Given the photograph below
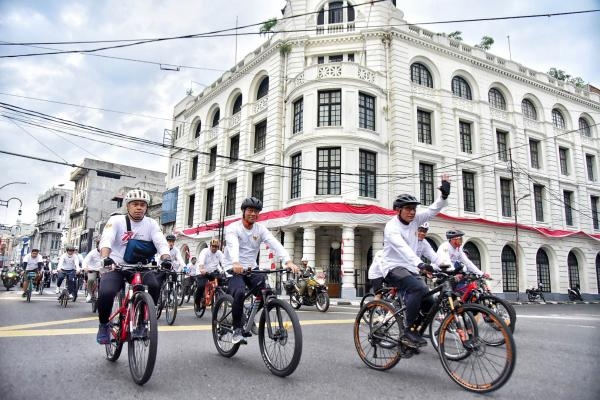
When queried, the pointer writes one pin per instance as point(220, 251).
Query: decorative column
point(308, 245)
point(348, 285)
point(288, 242)
point(377, 240)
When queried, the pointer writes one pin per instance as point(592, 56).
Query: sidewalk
point(356, 302)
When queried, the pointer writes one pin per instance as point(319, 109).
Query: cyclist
point(92, 263)
point(244, 238)
point(177, 262)
point(209, 261)
point(403, 265)
point(31, 262)
point(375, 273)
point(424, 249)
point(68, 265)
point(129, 238)
point(452, 253)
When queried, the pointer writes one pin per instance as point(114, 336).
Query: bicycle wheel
point(502, 308)
point(322, 301)
point(222, 327)
point(365, 299)
point(377, 332)
point(181, 292)
point(280, 342)
point(191, 290)
point(113, 349)
point(295, 301)
point(486, 368)
point(161, 301)
point(171, 306)
point(434, 327)
point(41, 287)
point(143, 339)
point(94, 302)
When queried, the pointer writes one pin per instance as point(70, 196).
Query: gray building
point(99, 190)
point(52, 221)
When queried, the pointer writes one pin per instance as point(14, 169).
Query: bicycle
point(168, 298)
point(463, 338)
point(133, 320)
point(31, 275)
point(94, 293)
point(279, 330)
point(212, 292)
point(42, 282)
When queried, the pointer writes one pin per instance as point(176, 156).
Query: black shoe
point(413, 339)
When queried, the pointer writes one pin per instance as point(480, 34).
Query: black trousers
point(201, 281)
point(413, 289)
point(113, 281)
point(237, 288)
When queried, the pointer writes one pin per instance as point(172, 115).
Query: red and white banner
point(343, 213)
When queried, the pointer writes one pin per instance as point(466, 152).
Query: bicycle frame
point(125, 311)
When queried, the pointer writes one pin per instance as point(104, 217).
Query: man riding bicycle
point(177, 263)
point(451, 253)
point(92, 263)
point(131, 238)
point(209, 261)
point(402, 264)
point(243, 239)
point(68, 266)
point(32, 262)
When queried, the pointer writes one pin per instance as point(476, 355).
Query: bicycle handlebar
point(137, 267)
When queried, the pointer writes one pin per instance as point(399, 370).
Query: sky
point(137, 98)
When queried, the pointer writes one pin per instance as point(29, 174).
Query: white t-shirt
point(400, 241)
point(193, 269)
point(115, 236)
point(243, 245)
point(93, 261)
point(375, 269)
point(32, 262)
point(68, 262)
point(448, 255)
point(210, 260)
point(176, 259)
point(425, 249)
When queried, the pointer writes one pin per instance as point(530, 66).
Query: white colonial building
point(330, 121)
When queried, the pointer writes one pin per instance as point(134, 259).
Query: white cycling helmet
point(137, 195)
point(424, 226)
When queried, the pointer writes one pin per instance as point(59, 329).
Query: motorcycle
point(10, 278)
point(574, 294)
point(307, 291)
point(535, 294)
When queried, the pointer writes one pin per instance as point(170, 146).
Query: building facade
point(52, 221)
point(99, 191)
point(350, 106)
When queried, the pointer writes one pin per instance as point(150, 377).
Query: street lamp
point(5, 202)
point(517, 240)
point(13, 183)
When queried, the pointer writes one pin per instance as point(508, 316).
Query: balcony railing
point(335, 28)
point(261, 104)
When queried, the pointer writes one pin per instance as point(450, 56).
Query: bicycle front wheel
point(222, 327)
point(365, 299)
point(485, 368)
point(181, 292)
point(171, 306)
point(502, 308)
point(377, 332)
point(29, 295)
point(280, 337)
point(113, 349)
point(143, 339)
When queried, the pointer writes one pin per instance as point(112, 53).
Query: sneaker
point(88, 298)
point(238, 336)
point(103, 336)
point(70, 296)
point(57, 291)
point(24, 294)
point(413, 339)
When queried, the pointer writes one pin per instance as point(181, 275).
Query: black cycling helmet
point(252, 202)
point(70, 248)
point(454, 233)
point(405, 200)
point(171, 237)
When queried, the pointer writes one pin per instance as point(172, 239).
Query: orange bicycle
point(212, 292)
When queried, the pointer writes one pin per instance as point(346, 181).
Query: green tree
point(561, 75)
point(268, 26)
point(455, 35)
point(485, 43)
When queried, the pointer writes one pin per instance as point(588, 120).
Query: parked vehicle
point(10, 277)
point(574, 293)
point(307, 291)
point(535, 294)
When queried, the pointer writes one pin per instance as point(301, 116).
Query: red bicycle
point(134, 321)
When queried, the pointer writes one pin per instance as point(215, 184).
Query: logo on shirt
point(126, 236)
point(255, 237)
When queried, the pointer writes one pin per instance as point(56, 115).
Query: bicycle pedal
point(247, 334)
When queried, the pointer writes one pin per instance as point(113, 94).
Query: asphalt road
point(49, 352)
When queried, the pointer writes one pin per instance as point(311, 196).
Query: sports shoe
point(24, 294)
point(57, 291)
point(70, 296)
point(88, 298)
point(413, 339)
point(238, 336)
point(103, 336)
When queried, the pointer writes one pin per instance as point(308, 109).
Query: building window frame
point(260, 136)
point(534, 153)
point(366, 111)
point(420, 75)
point(558, 120)
point(296, 176)
point(426, 183)
point(466, 136)
point(563, 156)
point(210, 198)
point(212, 159)
point(568, 203)
point(528, 109)
point(502, 143)
point(298, 108)
point(496, 99)
point(329, 168)
point(258, 185)
point(234, 148)
point(329, 108)
point(424, 126)
point(538, 199)
point(230, 207)
point(461, 88)
point(367, 174)
point(505, 197)
point(469, 191)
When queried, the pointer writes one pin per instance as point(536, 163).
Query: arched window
point(573, 269)
point(216, 118)
point(461, 88)
point(509, 269)
point(472, 251)
point(528, 109)
point(543, 269)
point(420, 75)
point(558, 120)
point(263, 88)
point(198, 129)
point(584, 127)
point(496, 99)
point(433, 244)
point(237, 104)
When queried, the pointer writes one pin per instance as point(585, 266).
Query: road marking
point(576, 318)
point(48, 323)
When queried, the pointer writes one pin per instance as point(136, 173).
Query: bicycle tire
point(199, 310)
point(142, 351)
point(434, 328)
point(322, 301)
point(470, 372)
point(272, 347)
point(113, 349)
point(191, 290)
point(171, 306)
point(377, 337)
point(29, 295)
point(180, 293)
point(365, 299)
point(222, 327)
point(295, 302)
point(161, 301)
point(502, 308)
point(41, 287)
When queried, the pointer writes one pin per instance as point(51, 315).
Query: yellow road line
point(48, 323)
point(15, 331)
